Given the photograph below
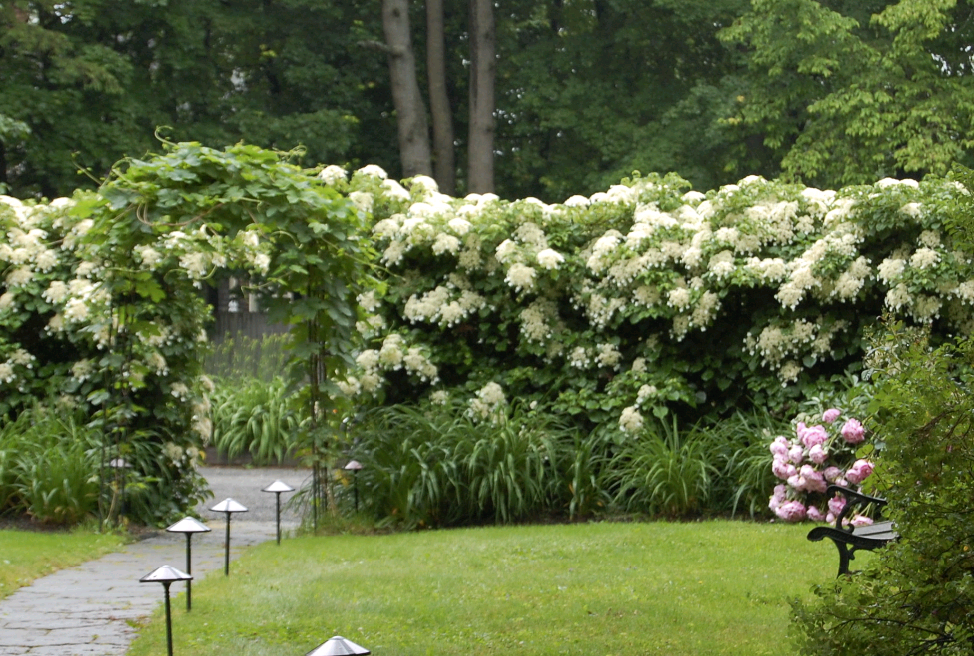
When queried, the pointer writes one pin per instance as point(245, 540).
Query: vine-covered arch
point(111, 281)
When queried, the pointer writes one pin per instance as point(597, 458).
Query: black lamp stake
point(277, 487)
point(228, 506)
point(354, 466)
point(166, 575)
point(189, 525)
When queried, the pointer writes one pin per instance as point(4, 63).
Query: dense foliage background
point(826, 92)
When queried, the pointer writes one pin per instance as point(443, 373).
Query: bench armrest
point(853, 499)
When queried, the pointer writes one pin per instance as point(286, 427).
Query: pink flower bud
point(831, 415)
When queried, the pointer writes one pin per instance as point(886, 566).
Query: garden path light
point(354, 466)
point(277, 487)
point(228, 506)
point(189, 525)
point(166, 575)
point(338, 646)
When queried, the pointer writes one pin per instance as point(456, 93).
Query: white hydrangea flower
point(577, 201)
point(362, 200)
point(459, 226)
point(19, 277)
point(333, 174)
point(7, 374)
point(445, 243)
point(646, 392)
point(924, 257)
point(678, 298)
point(550, 259)
point(390, 354)
point(75, 310)
point(424, 182)
point(579, 358)
point(608, 355)
point(520, 277)
point(373, 171)
point(56, 292)
point(630, 421)
point(394, 190)
point(504, 251)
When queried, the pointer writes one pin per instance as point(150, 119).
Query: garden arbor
point(114, 280)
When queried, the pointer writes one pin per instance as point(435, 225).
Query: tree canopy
point(825, 92)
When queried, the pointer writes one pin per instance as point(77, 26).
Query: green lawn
point(27, 555)
point(698, 588)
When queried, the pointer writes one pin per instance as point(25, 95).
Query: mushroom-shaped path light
point(228, 506)
point(166, 575)
point(338, 646)
point(189, 525)
point(277, 487)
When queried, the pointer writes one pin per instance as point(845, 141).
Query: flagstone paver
point(94, 609)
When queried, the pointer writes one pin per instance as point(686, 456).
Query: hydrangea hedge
point(633, 303)
point(647, 298)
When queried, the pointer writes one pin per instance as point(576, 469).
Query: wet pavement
point(92, 609)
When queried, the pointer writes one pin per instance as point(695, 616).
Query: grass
point(27, 555)
point(716, 587)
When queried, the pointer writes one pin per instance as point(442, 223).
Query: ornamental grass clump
point(816, 456)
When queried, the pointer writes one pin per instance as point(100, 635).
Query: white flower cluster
point(446, 305)
point(630, 421)
point(392, 355)
point(488, 403)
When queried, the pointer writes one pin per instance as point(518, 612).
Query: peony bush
point(815, 457)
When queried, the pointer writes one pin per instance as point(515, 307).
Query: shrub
point(916, 596)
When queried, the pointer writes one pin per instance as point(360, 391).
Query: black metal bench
point(849, 539)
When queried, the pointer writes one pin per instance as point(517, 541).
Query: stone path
point(89, 610)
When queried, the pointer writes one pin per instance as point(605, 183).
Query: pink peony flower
point(853, 432)
point(814, 435)
point(796, 453)
point(780, 447)
point(861, 520)
point(832, 474)
point(814, 514)
point(860, 471)
point(779, 497)
point(831, 415)
point(791, 511)
point(818, 454)
point(782, 468)
point(836, 504)
point(814, 481)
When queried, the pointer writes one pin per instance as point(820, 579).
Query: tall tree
point(444, 160)
point(483, 67)
point(413, 128)
point(849, 92)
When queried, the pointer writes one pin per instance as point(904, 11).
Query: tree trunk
point(414, 148)
point(480, 147)
point(444, 164)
